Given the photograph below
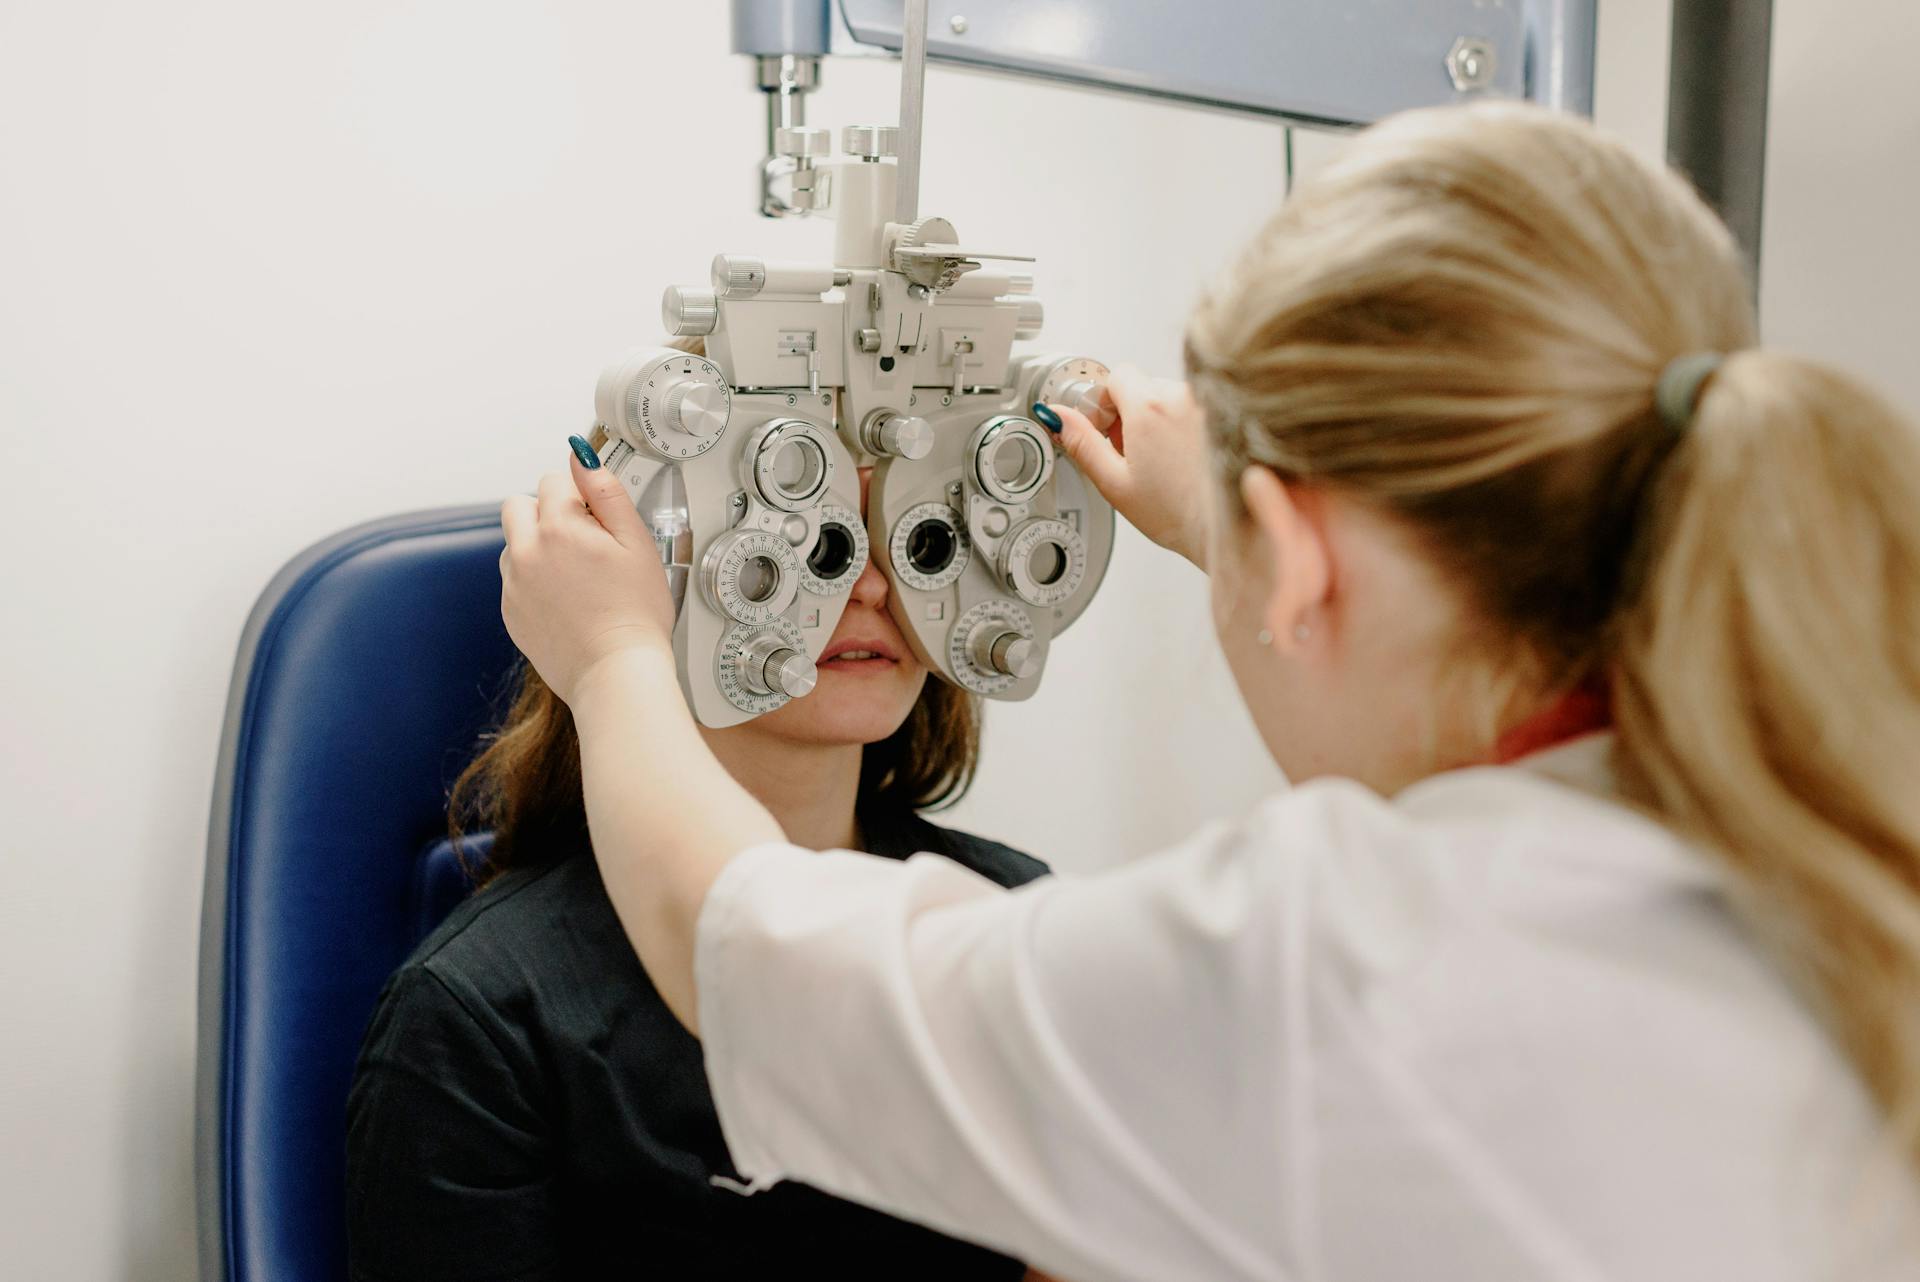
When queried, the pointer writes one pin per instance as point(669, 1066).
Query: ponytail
point(1464, 323)
point(1767, 687)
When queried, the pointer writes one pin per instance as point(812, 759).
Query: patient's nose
point(870, 589)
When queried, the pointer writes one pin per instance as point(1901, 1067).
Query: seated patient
point(525, 1106)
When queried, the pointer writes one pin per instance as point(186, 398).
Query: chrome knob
point(870, 142)
point(1032, 315)
point(636, 400)
point(697, 408)
point(689, 313)
point(1007, 653)
point(802, 143)
point(891, 435)
point(771, 666)
point(1094, 400)
point(792, 674)
point(738, 275)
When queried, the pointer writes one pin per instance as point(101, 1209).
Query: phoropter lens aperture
point(759, 579)
point(931, 547)
point(833, 552)
point(1047, 564)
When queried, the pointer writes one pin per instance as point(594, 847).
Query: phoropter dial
point(1043, 561)
point(893, 435)
point(929, 547)
point(1080, 382)
point(759, 669)
point(751, 576)
point(992, 646)
point(839, 554)
point(672, 404)
point(1010, 459)
point(788, 463)
point(772, 664)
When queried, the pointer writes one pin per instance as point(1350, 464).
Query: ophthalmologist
point(1586, 944)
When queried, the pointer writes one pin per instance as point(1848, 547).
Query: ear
point(1297, 557)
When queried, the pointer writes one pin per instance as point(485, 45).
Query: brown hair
point(1463, 325)
point(524, 786)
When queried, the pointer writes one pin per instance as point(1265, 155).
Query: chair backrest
point(366, 673)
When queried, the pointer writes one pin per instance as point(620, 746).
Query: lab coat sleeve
point(1085, 1072)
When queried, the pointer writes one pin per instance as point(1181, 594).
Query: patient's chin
point(848, 707)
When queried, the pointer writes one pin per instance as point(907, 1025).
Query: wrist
point(623, 676)
point(1191, 543)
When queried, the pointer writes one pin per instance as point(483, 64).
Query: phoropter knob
point(1007, 653)
point(929, 231)
point(697, 408)
point(802, 143)
point(771, 666)
point(686, 312)
point(870, 142)
point(1029, 320)
point(738, 275)
point(891, 435)
point(671, 404)
point(1094, 400)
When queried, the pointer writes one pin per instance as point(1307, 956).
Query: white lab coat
point(1499, 1027)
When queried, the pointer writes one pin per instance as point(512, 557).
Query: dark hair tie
point(1680, 385)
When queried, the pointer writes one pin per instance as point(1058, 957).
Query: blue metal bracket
point(1338, 63)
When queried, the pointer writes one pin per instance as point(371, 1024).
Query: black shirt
point(526, 1107)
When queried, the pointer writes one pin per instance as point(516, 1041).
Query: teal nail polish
point(584, 452)
point(1046, 417)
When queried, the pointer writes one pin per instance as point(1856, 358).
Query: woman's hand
point(581, 579)
point(1152, 466)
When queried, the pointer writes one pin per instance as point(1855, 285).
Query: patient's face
point(869, 678)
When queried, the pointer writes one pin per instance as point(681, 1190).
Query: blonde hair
point(1463, 324)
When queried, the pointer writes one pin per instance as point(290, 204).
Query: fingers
point(518, 516)
point(1124, 382)
point(1092, 453)
point(558, 498)
point(607, 499)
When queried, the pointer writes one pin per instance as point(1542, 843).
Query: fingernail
point(584, 452)
point(1046, 417)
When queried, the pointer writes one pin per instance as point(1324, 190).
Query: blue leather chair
point(366, 673)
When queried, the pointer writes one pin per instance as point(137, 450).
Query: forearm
point(664, 816)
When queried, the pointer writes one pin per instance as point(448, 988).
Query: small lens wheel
point(839, 553)
point(929, 547)
point(751, 576)
point(1044, 561)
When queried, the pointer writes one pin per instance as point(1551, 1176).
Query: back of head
point(1464, 324)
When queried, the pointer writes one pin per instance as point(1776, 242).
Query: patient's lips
point(859, 654)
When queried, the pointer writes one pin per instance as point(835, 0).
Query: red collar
point(1586, 709)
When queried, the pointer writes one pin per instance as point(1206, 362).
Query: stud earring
point(1264, 637)
point(1301, 632)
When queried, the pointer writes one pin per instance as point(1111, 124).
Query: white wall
point(1840, 259)
point(267, 270)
